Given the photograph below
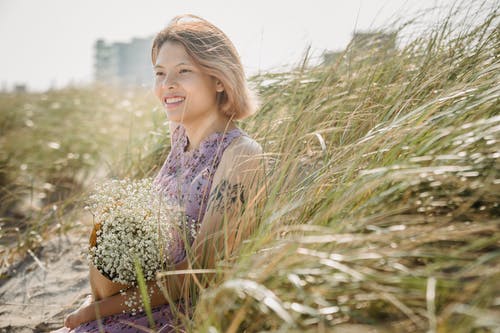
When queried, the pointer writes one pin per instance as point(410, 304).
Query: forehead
point(173, 53)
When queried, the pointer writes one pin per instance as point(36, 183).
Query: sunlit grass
point(383, 208)
point(55, 144)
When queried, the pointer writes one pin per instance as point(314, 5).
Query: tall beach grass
point(383, 208)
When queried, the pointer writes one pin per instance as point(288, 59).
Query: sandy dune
point(45, 285)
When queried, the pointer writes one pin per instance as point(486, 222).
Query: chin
point(175, 116)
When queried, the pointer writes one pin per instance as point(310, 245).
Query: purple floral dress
point(186, 179)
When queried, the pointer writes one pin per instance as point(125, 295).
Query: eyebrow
point(181, 63)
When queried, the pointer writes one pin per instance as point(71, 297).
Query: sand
point(46, 285)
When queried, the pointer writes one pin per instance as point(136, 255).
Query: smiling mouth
point(173, 101)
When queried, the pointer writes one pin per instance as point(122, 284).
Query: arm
point(236, 187)
point(115, 304)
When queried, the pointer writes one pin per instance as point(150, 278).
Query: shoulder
point(242, 149)
point(241, 157)
point(243, 145)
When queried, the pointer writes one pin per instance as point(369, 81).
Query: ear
point(219, 87)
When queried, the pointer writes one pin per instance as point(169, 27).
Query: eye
point(159, 73)
point(184, 70)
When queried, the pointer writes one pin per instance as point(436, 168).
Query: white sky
point(49, 43)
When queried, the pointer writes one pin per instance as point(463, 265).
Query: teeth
point(174, 100)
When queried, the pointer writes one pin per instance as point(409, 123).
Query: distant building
point(127, 64)
point(364, 43)
point(330, 57)
point(20, 88)
point(368, 41)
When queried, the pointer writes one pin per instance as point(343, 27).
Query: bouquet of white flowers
point(132, 222)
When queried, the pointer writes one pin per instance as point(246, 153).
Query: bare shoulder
point(243, 154)
point(243, 145)
point(242, 150)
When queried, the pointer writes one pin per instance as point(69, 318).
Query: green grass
point(383, 200)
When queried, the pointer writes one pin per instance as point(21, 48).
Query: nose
point(169, 81)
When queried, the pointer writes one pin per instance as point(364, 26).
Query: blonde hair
point(216, 55)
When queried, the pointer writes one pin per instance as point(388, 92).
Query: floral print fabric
point(165, 322)
point(185, 179)
point(186, 176)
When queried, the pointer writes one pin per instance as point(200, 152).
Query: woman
point(212, 169)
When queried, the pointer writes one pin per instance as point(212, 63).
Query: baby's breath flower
point(133, 221)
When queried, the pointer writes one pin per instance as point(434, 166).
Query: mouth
point(173, 102)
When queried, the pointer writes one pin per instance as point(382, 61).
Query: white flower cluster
point(134, 301)
point(132, 221)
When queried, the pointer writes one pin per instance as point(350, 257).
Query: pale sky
point(50, 43)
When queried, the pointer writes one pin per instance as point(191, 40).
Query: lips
point(173, 101)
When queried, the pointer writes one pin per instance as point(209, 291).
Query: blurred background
point(52, 44)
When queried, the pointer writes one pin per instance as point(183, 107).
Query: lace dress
point(185, 178)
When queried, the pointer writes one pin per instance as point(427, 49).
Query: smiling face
point(184, 90)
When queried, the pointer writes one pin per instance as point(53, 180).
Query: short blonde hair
point(216, 55)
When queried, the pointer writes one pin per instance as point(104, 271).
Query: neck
point(199, 130)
